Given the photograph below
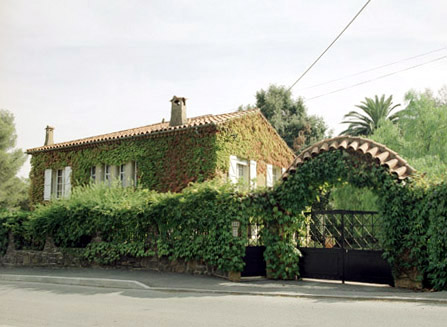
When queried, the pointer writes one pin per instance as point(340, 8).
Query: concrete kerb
point(76, 281)
point(136, 285)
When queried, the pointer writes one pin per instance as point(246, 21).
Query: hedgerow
point(192, 225)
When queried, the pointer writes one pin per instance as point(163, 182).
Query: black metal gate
point(343, 245)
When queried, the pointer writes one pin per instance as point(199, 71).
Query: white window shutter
point(269, 175)
point(252, 174)
point(67, 181)
point(47, 184)
point(232, 174)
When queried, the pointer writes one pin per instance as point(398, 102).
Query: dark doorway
point(254, 261)
point(343, 245)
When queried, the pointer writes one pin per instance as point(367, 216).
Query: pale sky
point(99, 66)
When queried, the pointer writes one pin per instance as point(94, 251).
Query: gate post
point(407, 277)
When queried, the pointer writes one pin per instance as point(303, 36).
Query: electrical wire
point(372, 69)
point(377, 78)
point(330, 45)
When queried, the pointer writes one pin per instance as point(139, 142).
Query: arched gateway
point(341, 244)
point(368, 149)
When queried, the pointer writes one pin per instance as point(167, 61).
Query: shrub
point(17, 222)
point(194, 224)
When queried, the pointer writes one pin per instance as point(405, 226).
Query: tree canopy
point(13, 190)
point(289, 117)
point(372, 111)
point(420, 136)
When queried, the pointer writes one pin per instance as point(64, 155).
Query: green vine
point(169, 162)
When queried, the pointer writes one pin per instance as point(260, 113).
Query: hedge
point(195, 224)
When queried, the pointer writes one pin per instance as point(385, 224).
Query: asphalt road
point(34, 304)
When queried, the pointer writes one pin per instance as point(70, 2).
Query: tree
point(289, 117)
point(420, 136)
point(13, 190)
point(373, 112)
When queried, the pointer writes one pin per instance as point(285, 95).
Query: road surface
point(34, 304)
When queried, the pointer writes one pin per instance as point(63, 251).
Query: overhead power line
point(330, 45)
point(373, 69)
point(379, 77)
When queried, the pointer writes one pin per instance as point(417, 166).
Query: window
point(107, 174)
point(276, 173)
point(122, 175)
point(57, 183)
point(125, 173)
point(93, 173)
point(273, 174)
point(242, 173)
point(242, 170)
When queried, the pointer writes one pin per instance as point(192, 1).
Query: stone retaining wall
point(51, 256)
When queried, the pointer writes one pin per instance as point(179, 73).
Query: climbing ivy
point(170, 161)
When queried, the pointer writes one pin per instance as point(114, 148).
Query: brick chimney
point(178, 111)
point(49, 135)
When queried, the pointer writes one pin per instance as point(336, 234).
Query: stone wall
point(51, 256)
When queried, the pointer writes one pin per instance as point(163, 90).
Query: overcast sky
point(98, 66)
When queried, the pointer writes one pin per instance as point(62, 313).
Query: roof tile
point(154, 129)
point(373, 150)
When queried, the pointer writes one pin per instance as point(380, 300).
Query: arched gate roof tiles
point(371, 150)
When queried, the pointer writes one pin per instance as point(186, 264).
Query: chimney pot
point(49, 135)
point(178, 111)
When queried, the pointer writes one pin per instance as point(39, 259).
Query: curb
point(76, 281)
point(304, 296)
point(136, 285)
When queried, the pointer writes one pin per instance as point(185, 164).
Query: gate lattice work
point(342, 229)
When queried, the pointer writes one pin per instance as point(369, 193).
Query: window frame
point(59, 190)
point(122, 174)
point(93, 173)
point(107, 173)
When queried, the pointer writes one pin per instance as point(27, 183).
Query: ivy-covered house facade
point(165, 156)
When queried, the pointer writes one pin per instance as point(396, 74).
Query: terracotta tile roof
point(371, 150)
point(149, 130)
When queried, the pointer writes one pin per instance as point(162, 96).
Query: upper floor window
point(274, 174)
point(242, 170)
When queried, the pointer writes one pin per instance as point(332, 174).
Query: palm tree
point(373, 112)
